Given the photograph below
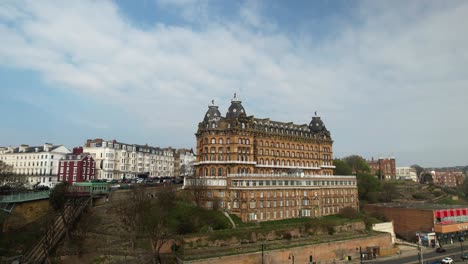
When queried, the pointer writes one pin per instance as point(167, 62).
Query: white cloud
point(399, 65)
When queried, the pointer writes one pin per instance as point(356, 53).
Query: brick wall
point(406, 221)
point(320, 252)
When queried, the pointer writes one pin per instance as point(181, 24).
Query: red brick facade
point(77, 167)
point(448, 178)
point(385, 168)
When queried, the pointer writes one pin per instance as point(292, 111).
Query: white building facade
point(185, 161)
point(406, 173)
point(117, 160)
point(39, 163)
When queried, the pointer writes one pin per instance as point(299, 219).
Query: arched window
point(261, 143)
point(220, 141)
point(247, 142)
point(213, 141)
point(266, 162)
point(243, 125)
point(261, 161)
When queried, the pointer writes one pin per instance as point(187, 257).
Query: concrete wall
point(321, 252)
point(25, 213)
point(386, 227)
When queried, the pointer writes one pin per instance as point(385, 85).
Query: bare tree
point(198, 188)
point(155, 222)
point(10, 179)
point(155, 226)
point(131, 212)
point(58, 200)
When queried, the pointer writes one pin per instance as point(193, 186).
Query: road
point(428, 255)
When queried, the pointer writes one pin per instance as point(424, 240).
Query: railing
point(40, 250)
point(22, 197)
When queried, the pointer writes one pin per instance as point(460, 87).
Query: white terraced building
point(39, 163)
point(116, 160)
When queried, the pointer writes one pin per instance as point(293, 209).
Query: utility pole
point(262, 252)
point(420, 254)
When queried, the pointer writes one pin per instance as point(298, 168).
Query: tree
point(186, 170)
point(58, 200)
point(198, 188)
point(341, 167)
point(389, 191)
point(10, 180)
point(131, 212)
point(357, 164)
point(368, 186)
point(156, 222)
point(426, 178)
point(418, 169)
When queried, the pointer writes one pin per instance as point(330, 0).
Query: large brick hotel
point(263, 170)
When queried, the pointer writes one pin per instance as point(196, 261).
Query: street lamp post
point(461, 239)
point(360, 255)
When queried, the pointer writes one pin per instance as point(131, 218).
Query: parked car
point(464, 256)
point(447, 260)
point(440, 250)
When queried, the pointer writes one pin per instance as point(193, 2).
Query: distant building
point(406, 173)
point(77, 167)
point(184, 160)
point(384, 168)
point(39, 163)
point(117, 160)
point(448, 178)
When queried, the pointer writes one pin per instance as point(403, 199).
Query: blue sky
point(387, 77)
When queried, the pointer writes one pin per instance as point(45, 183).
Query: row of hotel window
point(287, 193)
point(32, 171)
point(250, 183)
point(6, 157)
point(271, 144)
point(66, 178)
point(267, 152)
point(133, 156)
point(30, 164)
point(86, 170)
point(291, 213)
point(304, 202)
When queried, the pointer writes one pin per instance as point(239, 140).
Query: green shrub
point(420, 196)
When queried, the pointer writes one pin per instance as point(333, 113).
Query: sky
point(388, 78)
